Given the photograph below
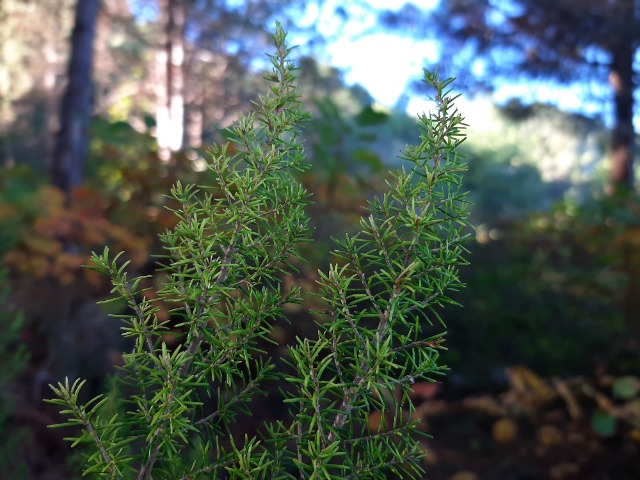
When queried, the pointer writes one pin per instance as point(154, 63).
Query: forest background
point(105, 104)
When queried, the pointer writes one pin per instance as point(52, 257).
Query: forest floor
point(533, 429)
point(536, 429)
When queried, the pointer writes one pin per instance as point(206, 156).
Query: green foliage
point(14, 360)
point(520, 308)
point(17, 187)
point(225, 262)
point(346, 168)
point(569, 272)
point(501, 191)
point(626, 387)
point(619, 410)
point(603, 423)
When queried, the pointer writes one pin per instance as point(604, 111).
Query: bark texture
point(623, 133)
point(72, 143)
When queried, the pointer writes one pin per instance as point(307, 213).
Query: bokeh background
point(104, 104)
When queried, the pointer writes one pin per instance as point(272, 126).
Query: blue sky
point(383, 62)
point(386, 62)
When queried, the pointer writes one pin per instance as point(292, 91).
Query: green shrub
point(14, 361)
point(225, 262)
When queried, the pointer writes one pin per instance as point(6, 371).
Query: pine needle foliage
point(226, 258)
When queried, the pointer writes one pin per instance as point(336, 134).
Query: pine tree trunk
point(72, 145)
point(622, 176)
point(623, 135)
point(170, 80)
point(50, 82)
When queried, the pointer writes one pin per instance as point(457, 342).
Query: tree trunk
point(72, 145)
point(6, 103)
point(49, 84)
point(623, 135)
point(170, 80)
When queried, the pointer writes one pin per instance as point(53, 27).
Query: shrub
point(15, 358)
point(225, 262)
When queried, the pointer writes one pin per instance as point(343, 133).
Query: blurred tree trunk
point(72, 143)
point(50, 82)
point(170, 80)
point(623, 135)
point(6, 107)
